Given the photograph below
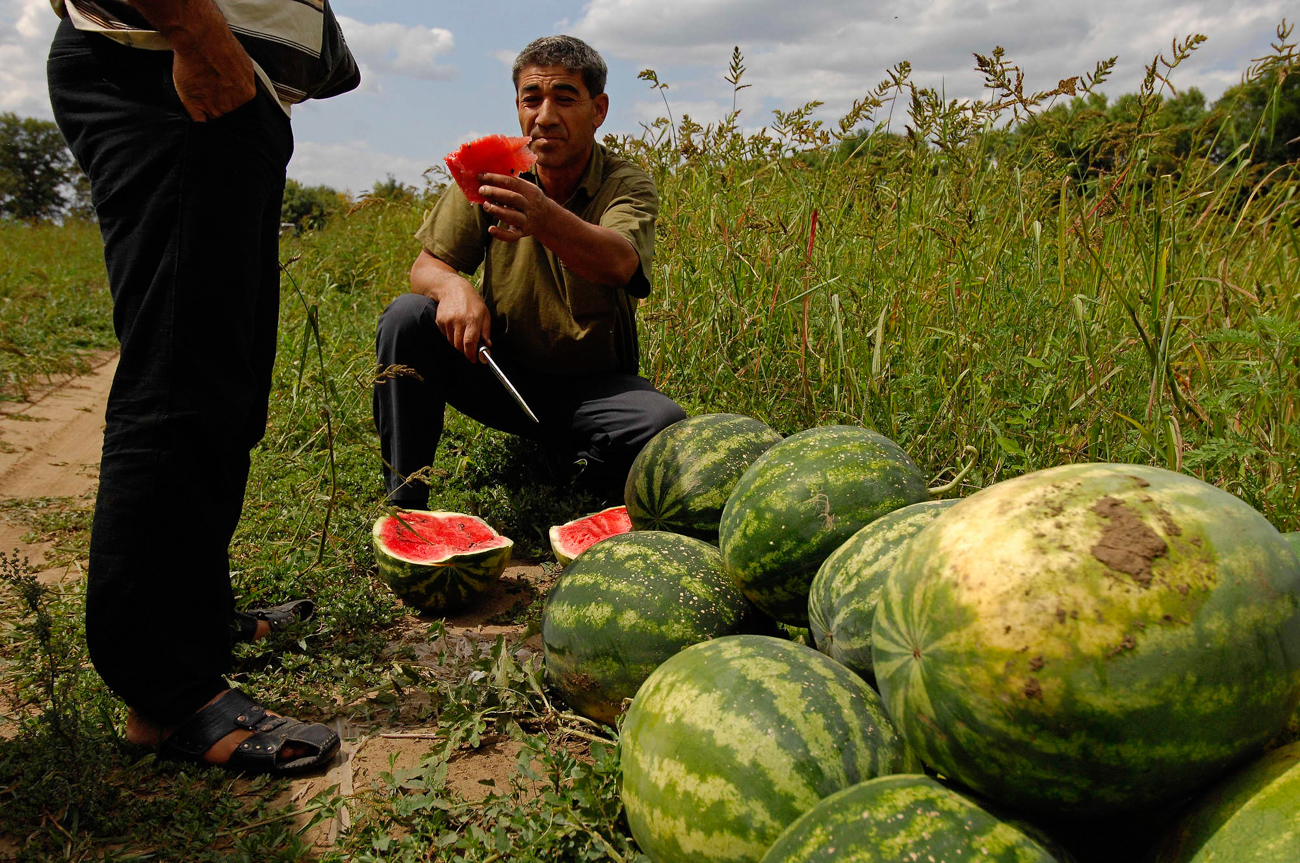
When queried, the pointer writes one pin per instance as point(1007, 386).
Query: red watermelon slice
point(572, 538)
point(491, 154)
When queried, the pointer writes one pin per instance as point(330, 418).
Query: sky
point(436, 74)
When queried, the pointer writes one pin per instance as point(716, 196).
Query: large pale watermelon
point(682, 478)
point(731, 740)
point(438, 561)
point(1253, 816)
point(842, 599)
point(1091, 638)
point(801, 500)
point(627, 604)
point(902, 818)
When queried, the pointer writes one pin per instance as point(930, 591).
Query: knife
point(505, 382)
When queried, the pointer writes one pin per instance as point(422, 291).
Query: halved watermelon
point(572, 538)
point(437, 561)
point(491, 154)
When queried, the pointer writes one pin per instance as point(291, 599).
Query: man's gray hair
point(570, 52)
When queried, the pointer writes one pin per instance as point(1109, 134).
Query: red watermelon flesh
point(573, 538)
point(491, 154)
point(437, 536)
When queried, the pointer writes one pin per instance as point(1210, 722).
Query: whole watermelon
point(842, 599)
point(801, 500)
point(1091, 638)
point(1253, 816)
point(731, 740)
point(624, 606)
point(438, 561)
point(902, 818)
point(682, 478)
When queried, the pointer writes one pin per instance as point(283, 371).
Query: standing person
point(566, 253)
point(185, 139)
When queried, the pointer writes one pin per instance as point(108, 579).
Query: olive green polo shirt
point(543, 314)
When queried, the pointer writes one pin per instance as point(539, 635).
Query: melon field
point(1034, 280)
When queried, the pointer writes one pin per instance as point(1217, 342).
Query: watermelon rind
point(566, 550)
point(901, 818)
point(729, 741)
point(842, 598)
point(801, 500)
point(681, 479)
point(627, 604)
point(442, 585)
point(1091, 638)
point(1252, 816)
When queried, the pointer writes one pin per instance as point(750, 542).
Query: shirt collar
point(591, 180)
point(592, 177)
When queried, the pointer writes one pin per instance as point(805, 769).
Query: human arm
point(212, 72)
point(589, 251)
point(462, 315)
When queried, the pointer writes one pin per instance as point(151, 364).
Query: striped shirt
point(277, 34)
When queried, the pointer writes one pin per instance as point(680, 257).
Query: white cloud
point(353, 166)
point(836, 50)
point(26, 28)
point(398, 49)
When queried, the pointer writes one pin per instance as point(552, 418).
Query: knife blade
point(505, 382)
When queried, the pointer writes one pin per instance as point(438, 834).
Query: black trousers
point(593, 425)
point(189, 214)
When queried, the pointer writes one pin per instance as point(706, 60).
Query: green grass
point(960, 293)
point(54, 303)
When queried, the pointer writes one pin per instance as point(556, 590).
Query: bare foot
point(144, 732)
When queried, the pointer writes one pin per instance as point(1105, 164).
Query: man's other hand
point(463, 317)
point(214, 81)
point(212, 72)
point(521, 208)
point(464, 321)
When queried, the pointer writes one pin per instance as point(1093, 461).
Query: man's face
point(556, 111)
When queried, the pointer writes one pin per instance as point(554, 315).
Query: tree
point(309, 208)
point(35, 168)
point(1265, 112)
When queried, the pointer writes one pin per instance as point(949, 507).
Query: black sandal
point(244, 622)
point(260, 752)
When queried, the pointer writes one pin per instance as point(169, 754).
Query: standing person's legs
point(189, 214)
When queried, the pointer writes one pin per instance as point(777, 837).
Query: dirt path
point(50, 447)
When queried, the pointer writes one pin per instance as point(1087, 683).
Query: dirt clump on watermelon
point(572, 538)
point(491, 154)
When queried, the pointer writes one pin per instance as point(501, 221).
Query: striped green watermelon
point(1091, 638)
point(902, 818)
point(627, 604)
point(1253, 816)
point(681, 480)
point(842, 599)
point(731, 740)
point(801, 500)
point(438, 561)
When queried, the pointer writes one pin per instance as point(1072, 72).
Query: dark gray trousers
point(593, 425)
point(190, 217)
